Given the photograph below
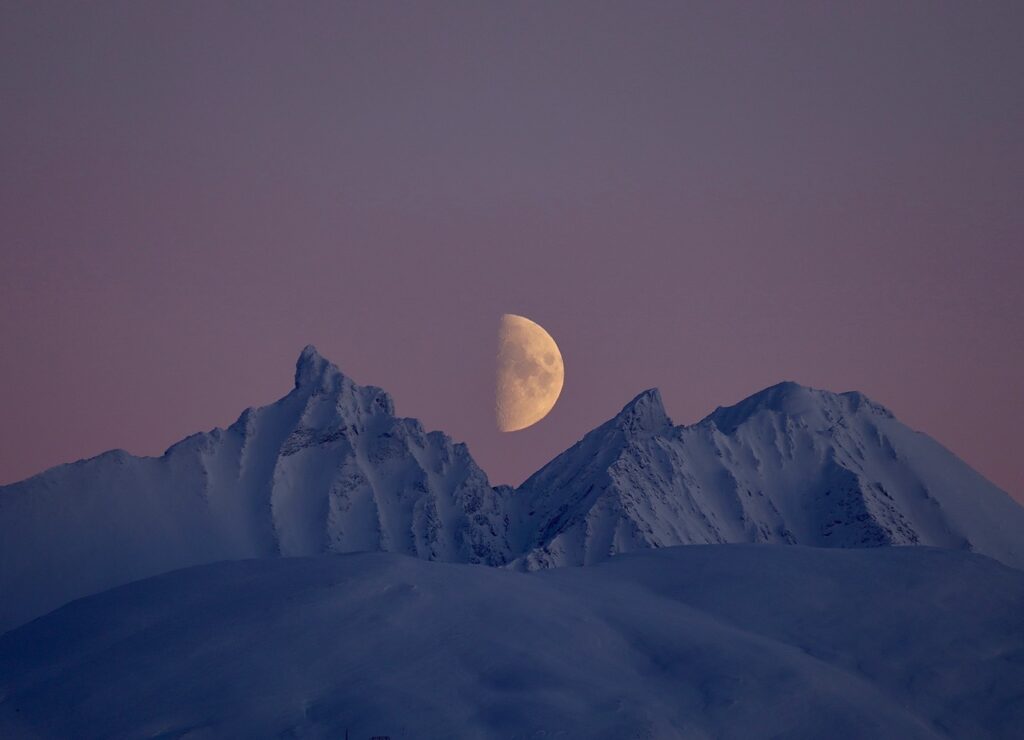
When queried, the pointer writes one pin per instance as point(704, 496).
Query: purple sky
point(708, 199)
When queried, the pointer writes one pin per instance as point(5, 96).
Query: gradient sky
point(707, 198)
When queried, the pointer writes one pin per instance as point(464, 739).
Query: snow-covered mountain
point(787, 465)
point(727, 641)
point(329, 468)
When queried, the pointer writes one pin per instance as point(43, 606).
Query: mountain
point(329, 468)
point(727, 641)
point(788, 465)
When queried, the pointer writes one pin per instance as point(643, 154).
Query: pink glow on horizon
point(707, 199)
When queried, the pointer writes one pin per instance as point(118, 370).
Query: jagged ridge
point(787, 465)
point(330, 468)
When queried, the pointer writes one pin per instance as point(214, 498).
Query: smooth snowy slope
point(788, 465)
point(328, 468)
point(719, 641)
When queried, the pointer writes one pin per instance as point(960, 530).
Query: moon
point(530, 373)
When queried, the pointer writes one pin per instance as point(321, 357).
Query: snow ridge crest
point(645, 414)
point(330, 468)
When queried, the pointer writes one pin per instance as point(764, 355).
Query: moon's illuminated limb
point(530, 373)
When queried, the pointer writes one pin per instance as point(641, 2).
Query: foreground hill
point(330, 468)
point(730, 641)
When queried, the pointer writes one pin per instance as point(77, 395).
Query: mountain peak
point(787, 398)
point(645, 413)
point(782, 396)
point(311, 367)
point(792, 399)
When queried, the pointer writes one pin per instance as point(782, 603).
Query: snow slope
point(730, 641)
point(328, 468)
point(787, 465)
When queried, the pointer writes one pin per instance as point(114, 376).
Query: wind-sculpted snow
point(329, 468)
point(732, 641)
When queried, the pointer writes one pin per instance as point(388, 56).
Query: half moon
point(530, 373)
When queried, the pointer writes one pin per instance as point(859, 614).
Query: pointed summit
point(645, 413)
point(311, 367)
point(315, 375)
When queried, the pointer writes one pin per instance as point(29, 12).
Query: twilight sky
point(708, 199)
